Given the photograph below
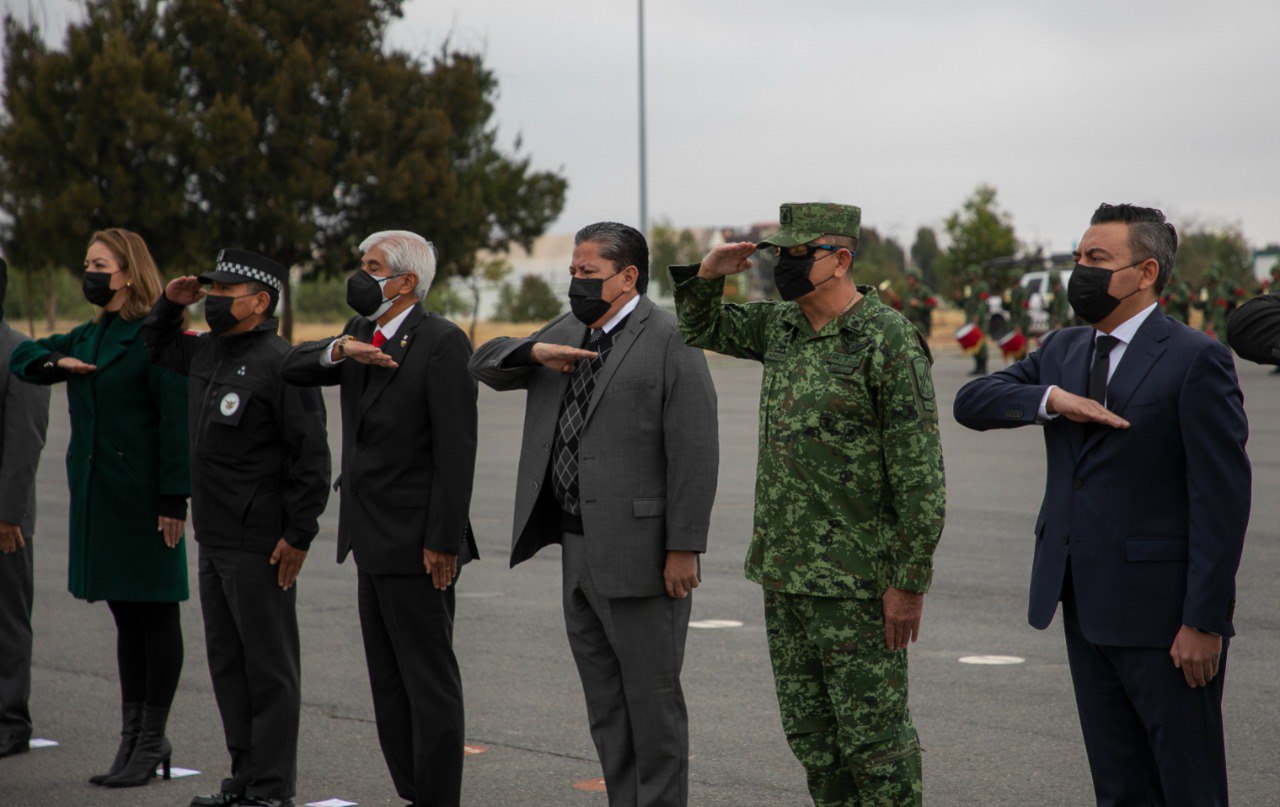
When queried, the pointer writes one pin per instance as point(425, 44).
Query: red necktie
point(379, 338)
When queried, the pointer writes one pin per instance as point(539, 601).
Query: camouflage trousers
point(843, 699)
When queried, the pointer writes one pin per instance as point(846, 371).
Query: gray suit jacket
point(648, 454)
point(24, 415)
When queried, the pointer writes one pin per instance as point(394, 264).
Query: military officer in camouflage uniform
point(973, 298)
point(1015, 302)
point(1177, 301)
point(1215, 304)
point(849, 496)
point(918, 302)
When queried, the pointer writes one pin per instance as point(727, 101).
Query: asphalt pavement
point(993, 734)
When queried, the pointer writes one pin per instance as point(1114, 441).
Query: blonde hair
point(141, 275)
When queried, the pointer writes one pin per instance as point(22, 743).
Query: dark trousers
point(251, 629)
point(15, 643)
point(1150, 738)
point(629, 651)
point(417, 689)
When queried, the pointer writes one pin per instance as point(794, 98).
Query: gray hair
point(406, 252)
point(1150, 240)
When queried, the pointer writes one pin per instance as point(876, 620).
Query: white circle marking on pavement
point(991, 659)
point(715, 623)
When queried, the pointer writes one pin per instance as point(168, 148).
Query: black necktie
point(1101, 367)
point(573, 414)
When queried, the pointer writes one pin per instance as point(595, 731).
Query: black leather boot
point(131, 721)
point(151, 750)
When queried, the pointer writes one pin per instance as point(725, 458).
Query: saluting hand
point(727, 259)
point(184, 290)
point(902, 612)
point(559, 357)
point(1082, 410)
point(442, 566)
point(10, 538)
point(170, 529)
point(73, 365)
point(366, 353)
point(290, 560)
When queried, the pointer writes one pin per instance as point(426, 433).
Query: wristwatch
point(341, 345)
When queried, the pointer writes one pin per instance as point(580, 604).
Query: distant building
point(551, 255)
point(1264, 260)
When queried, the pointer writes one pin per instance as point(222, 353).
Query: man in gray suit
point(619, 466)
point(24, 416)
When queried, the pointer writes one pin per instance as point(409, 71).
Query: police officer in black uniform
point(259, 482)
point(1254, 330)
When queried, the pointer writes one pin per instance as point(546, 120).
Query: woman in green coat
point(127, 470)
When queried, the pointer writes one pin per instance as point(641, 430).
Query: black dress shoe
point(220, 799)
point(14, 745)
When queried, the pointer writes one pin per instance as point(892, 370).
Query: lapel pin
point(404, 340)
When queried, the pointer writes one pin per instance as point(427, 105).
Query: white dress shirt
point(622, 312)
point(1124, 332)
point(388, 330)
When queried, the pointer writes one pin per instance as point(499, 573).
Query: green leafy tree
point(87, 138)
point(925, 254)
point(668, 246)
point(879, 259)
point(533, 301)
point(1200, 247)
point(978, 232)
point(282, 126)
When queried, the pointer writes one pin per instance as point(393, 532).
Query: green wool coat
point(128, 447)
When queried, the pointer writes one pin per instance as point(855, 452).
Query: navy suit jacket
point(1151, 518)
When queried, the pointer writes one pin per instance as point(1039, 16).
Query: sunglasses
point(798, 251)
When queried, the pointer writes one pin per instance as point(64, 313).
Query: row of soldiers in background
point(1216, 298)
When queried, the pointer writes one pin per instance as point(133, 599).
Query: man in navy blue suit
point(1144, 513)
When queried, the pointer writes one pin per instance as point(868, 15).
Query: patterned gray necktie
point(564, 477)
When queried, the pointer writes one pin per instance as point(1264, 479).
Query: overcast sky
point(900, 107)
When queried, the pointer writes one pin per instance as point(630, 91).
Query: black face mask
point(586, 299)
point(96, 287)
point(791, 276)
point(217, 312)
point(364, 295)
point(1088, 295)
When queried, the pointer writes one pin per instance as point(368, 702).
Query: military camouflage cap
point(803, 222)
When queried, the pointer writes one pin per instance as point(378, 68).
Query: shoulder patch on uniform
point(923, 378)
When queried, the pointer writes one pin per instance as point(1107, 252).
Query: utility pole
point(644, 169)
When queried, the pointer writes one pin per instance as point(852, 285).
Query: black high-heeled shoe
point(151, 750)
point(130, 724)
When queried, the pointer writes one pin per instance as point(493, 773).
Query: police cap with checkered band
point(241, 266)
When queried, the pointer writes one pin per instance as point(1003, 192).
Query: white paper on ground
point(40, 743)
point(991, 660)
point(715, 623)
point(331, 803)
point(178, 773)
